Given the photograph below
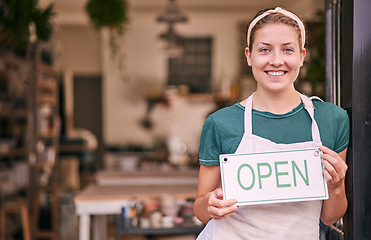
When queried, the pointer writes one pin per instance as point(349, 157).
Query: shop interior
point(102, 106)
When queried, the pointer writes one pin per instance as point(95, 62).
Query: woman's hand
point(209, 201)
point(334, 168)
point(217, 207)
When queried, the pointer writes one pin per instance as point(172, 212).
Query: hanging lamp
point(172, 14)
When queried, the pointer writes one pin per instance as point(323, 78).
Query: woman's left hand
point(334, 168)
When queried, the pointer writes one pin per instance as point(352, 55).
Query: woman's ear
point(302, 57)
point(248, 56)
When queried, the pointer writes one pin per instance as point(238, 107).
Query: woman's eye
point(263, 50)
point(288, 50)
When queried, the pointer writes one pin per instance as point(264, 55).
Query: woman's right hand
point(209, 201)
point(217, 207)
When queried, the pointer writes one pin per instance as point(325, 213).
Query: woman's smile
point(276, 73)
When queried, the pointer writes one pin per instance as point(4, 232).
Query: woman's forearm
point(335, 206)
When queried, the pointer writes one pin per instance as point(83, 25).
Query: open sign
point(270, 177)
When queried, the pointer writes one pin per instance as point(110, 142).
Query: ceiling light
point(172, 14)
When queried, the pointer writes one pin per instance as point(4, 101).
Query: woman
point(275, 117)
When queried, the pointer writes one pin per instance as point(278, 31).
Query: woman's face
point(275, 57)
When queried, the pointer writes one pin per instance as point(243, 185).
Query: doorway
point(87, 112)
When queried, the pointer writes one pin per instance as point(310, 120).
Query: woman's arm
point(334, 170)
point(209, 200)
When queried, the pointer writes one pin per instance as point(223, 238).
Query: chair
point(16, 206)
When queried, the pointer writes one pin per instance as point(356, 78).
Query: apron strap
point(308, 106)
point(248, 115)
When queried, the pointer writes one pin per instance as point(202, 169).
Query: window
point(193, 68)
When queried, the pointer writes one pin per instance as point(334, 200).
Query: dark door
point(356, 98)
point(88, 109)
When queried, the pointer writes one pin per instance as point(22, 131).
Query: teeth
point(280, 73)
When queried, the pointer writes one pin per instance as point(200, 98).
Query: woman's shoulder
point(329, 109)
point(329, 106)
point(228, 112)
point(226, 119)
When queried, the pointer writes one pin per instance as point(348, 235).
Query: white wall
point(81, 48)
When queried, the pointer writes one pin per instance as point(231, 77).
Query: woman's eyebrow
point(288, 43)
point(263, 43)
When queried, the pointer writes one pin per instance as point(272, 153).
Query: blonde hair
point(273, 16)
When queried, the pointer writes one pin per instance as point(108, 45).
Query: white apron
point(279, 221)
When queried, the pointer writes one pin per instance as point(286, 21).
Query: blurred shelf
point(14, 113)
point(16, 152)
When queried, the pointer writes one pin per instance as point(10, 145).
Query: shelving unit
point(29, 136)
point(45, 148)
point(16, 119)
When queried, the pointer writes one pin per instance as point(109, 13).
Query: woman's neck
point(277, 103)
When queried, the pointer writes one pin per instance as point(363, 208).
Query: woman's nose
point(276, 59)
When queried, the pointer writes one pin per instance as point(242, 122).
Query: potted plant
point(111, 14)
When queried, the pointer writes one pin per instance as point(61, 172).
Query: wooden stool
point(17, 206)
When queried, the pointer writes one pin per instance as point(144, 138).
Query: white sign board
point(271, 177)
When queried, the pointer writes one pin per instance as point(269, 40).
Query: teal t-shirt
point(223, 129)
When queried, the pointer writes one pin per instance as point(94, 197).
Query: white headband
point(284, 12)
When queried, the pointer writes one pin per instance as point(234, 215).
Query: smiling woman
point(274, 118)
point(275, 58)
